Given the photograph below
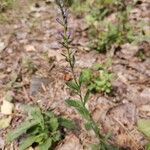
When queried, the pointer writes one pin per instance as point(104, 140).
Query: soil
point(33, 71)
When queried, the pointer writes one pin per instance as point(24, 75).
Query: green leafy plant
point(103, 35)
point(105, 39)
point(41, 128)
point(76, 84)
point(97, 79)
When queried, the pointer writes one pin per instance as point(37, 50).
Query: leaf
point(20, 130)
point(46, 145)
point(56, 136)
point(54, 124)
point(86, 97)
point(37, 115)
point(5, 122)
point(88, 125)
point(144, 126)
point(147, 146)
point(85, 76)
point(41, 137)
point(27, 142)
point(98, 66)
point(29, 108)
point(109, 147)
point(72, 85)
point(79, 107)
point(66, 123)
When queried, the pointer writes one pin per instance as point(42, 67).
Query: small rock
point(29, 48)
point(2, 46)
point(36, 84)
point(7, 108)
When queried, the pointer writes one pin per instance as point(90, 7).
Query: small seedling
point(41, 128)
point(98, 79)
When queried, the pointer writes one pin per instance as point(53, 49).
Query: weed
point(97, 79)
point(113, 34)
point(41, 128)
point(77, 82)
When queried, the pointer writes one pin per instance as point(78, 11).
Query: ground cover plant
point(109, 34)
point(42, 128)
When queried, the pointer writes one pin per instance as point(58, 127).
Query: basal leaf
point(46, 145)
point(27, 142)
point(41, 137)
point(56, 136)
point(20, 130)
point(144, 126)
point(37, 115)
point(66, 123)
point(54, 124)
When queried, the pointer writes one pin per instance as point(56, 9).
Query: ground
point(33, 71)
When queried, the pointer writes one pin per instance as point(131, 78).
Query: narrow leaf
point(79, 107)
point(27, 143)
point(20, 130)
point(54, 124)
point(66, 123)
point(46, 145)
point(87, 95)
point(72, 85)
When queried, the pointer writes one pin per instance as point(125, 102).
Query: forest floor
point(33, 71)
